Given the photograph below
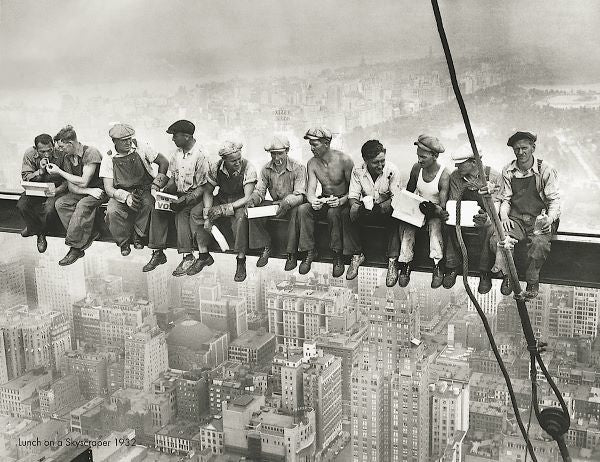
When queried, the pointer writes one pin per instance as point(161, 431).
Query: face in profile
point(180, 139)
point(68, 147)
point(425, 158)
point(318, 147)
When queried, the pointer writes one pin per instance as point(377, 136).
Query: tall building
point(58, 396)
point(192, 396)
point(369, 279)
point(302, 311)
point(489, 302)
point(59, 290)
point(449, 410)
point(145, 357)
point(226, 314)
point(322, 391)
point(292, 396)
point(12, 281)
point(253, 347)
point(91, 370)
point(586, 305)
point(368, 415)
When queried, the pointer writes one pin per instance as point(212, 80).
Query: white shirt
point(144, 150)
point(384, 187)
point(190, 169)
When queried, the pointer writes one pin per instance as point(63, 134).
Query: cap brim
point(311, 137)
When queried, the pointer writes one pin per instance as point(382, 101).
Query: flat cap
point(121, 131)
point(182, 126)
point(318, 133)
point(430, 143)
point(278, 143)
point(521, 136)
point(230, 147)
point(463, 153)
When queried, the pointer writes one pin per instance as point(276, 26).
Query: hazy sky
point(100, 40)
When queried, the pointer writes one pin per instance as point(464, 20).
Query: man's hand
point(179, 204)
point(547, 228)
point(489, 188)
point(284, 207)
point(481, 218)
point(316, 204)
point(386, 207)
point(53, 169)
point(133, 201)
point(443, 214)
point(96, 192)
point(354, 211)
point(428, 208)
point(333, 201)
point(507, 224)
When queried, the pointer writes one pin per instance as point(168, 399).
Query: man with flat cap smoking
point(332, 169)
point(285, 179)
point(189, 169)
point(465, 179)
point(128, 181)
point(530, 191)
point(372, 187)
point(236, 179)
point(37, 211)
point(429, 180)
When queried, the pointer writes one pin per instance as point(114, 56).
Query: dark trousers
point(454, 255)
point(260, 237)
point(159, 227)
point(77, 213)
point(122, 220)
point(351, 230)
point(538, 245)
point(37, 212)
point(236, 225)
point(307, 217)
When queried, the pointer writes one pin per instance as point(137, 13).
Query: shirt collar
point(226, 172)
point(194, 149)
point(534, 167)
point(288, 165)
point(365, 171)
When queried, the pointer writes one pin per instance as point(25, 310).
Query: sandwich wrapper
point(406, 208)
point(33, 188)
point(264, 211)
point(467, 210)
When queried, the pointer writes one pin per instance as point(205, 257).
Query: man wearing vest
point(465, 180)
point(128, 181)
point(530, 189)
point(77, 208)
point(372, 187)
point(189, 172)
point(236, 179)
point(429, 180)
point(285, 179)
point(38, 211)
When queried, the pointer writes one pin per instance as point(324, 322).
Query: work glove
point(481, 218)
point(134, 201)
point(218, 211)
point(354, 212)
point(160, 181)
point(179, 204)
point(428, 208)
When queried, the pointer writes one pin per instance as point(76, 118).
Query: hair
point(371, 149)
point(66, 133)
point(44, 138)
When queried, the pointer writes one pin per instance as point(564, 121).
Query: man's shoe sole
point(403, 281)
point(209, 261)
point(70, 263)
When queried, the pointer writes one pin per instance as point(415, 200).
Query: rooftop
point(87, 406)
point(26, 379)
point(186, 431)
point(252, 339)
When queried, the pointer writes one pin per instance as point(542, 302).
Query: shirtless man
point(333, 170)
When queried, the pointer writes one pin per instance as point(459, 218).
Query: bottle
point(540, 221)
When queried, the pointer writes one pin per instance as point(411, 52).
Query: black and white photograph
point(299, 231)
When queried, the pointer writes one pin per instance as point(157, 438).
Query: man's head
point(278, 147)
point(122, 137)
point(523, 145)
point(66, 140)
point(231, 153)
point(373, 153)
point(183, 133)
point(44, 145)
point(464, 161)
point(319, 139)
point(428, 150)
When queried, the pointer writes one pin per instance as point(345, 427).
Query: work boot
point(264, 257)
point(450, 278)
point(392, 273)
point(71, 257)
point(158, 258)
point(125, 249)
point(42, 244)
point(337, 267)
point(355, 263)
point(26, 233)
point(290, 262)
point(199, 264)
point(138, 242)
point(240, 271)
point(184, 265)
point(437, 276)
point(532, 290)
point(485, 282)
point(505, 288)
point(307, 261)
point(404, 275)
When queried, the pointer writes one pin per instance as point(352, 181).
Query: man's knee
point(62, 203)
point(539, 246)
point(305, 210)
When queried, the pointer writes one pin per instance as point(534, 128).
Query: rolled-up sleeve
point(263, 184)
point(202, 171)
point(212, 172)
point(299, 180)
point(106, 167)
point(506, 193)
point(250, 174)
point(355, 189)
point(551, 191)
point(29, 169)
